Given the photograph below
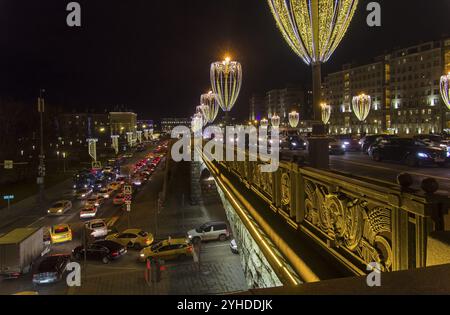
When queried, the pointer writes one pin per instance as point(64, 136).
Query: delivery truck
point(19, 249)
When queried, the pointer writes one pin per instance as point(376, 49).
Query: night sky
point(154, 55)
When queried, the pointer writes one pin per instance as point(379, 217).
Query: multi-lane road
point(359, 164)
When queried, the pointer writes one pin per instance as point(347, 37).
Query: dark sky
point(154, 55)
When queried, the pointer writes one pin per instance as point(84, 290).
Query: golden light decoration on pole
point(326, 113)
point(197, 122)
point(210, 100)
point(264, 123)
point(313, 29)
point(361, 106)
point(294, 119)
point(275, 120)
point(226, 82)
point(445, 82)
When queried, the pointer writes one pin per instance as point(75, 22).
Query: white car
point(209, 231)
point(88, 212)
point(60, 207)
point(97, 228)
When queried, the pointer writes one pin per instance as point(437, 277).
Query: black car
point(51, 269)
point(410, 151)
point(336, 148)
point(104, 251)
point(294, 143)
point(367, 141)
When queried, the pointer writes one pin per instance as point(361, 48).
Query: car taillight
point(115, 254)
point(189, 249)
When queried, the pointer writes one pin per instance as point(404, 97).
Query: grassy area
point(27, 188)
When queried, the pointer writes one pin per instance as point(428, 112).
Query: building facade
point(281, 102)
point(404, 87)
point(167, 124)
point(122, 122)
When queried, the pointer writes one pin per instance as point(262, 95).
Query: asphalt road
point(359, 164)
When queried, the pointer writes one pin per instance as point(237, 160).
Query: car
point(95, 200)
point(336, 148)
point(115, 185)
point(293, 143)
point(108, 169)
point(84, 193)
point(369, 140)
point(121, 181)
point(351, 142)
point(178, 248)
point(105, 251)
point(135, 238)
point(51, 269)
point(119, 199)
point(97, 228)
point(209, 231)
point(88, 212)
point(106, 192)
point(60, 233)
point(409, 151)
point(234, 247)
point(60, 207)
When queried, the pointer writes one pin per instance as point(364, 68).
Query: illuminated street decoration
point(92, 148)
point(445, 81)
point(264, 123)
point(139, 136)
point(294, 119)
point(326, 113)
point(210, 101)
point(130, 138)
point(115, 143)
point(313, 29)
point(146, 134)
point(226, 81)
point(361, 106)
point(275, 120)
point(197, 123)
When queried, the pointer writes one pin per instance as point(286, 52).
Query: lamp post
point(226, 82)
point(294, 119)
point(445, 93)
point(361, 105)
point(41, 168)
point(210, 106)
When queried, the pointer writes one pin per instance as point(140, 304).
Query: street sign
point(127, 190)
point(8, 197)
point(8, 164)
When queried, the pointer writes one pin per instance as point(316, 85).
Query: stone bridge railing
point(356, 220)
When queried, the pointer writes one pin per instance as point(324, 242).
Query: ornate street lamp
point(361, 107)
point(264, 123)
point(445, 82)
point(313, 29)
point(275, 120)
point(326, 113)
point(226, 81)
point(294, 119)
point(212, 106)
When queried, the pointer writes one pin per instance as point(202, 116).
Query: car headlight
point(344, 146)
point(346, 143)
point(329, 147)
point(48, 211)
point(294, 144)
point(422, 155)
point(190, 236)
point(142, 255)
point(448, 154)
point(60, 210)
